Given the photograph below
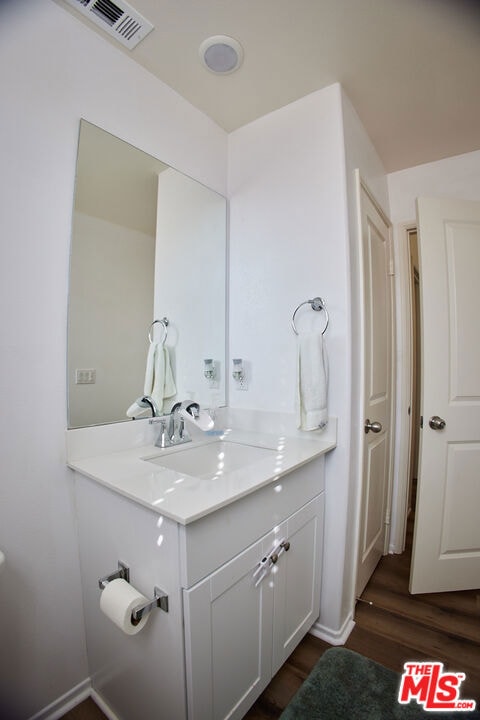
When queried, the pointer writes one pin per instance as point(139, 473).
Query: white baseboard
point(106, 709)
point(338, 637)
point(66, 702)
point(83, 690)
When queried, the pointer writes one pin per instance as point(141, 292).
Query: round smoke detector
point(221, 54)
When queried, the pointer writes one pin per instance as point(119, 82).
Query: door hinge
point(391, 267)
point(421, 422)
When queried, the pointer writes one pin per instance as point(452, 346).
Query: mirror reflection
point(148, 244)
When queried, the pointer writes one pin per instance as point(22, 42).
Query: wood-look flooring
point(395, 628)
point(87, 710)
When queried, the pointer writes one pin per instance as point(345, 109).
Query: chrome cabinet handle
point(375, 427)
point(437, 423)
point(268, 561)
point(284, 546)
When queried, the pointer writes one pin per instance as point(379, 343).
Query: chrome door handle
point(437, 423)
point(375, 427)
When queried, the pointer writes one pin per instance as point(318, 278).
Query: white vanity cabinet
point(241, 624)
point(228, 630)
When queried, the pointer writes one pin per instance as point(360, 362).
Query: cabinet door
point(297, 580)
point(228, 639)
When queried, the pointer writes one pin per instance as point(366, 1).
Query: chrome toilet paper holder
point(122, 573)
point(160, 598)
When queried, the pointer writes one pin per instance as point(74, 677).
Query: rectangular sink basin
point(213, 459)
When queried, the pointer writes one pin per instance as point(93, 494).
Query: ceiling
point(410, 67)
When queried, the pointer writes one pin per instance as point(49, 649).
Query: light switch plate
point(85, 376)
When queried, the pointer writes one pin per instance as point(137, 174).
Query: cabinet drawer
point(210, 542)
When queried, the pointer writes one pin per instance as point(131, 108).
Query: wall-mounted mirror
point(147, 243)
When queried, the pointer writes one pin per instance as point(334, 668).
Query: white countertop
point(185, 498)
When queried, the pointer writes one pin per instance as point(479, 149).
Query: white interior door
point(377, 387)
point(446, 551)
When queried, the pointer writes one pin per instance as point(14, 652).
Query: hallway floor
point(395, 628)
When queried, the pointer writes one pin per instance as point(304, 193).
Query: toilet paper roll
point(117, 602)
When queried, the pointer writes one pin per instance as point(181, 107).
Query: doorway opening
point(408, 414)
point(415, 392)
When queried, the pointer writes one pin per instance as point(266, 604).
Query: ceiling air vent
point(118, 19)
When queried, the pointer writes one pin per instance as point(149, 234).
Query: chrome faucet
point(172, 426)
point(176, 425)
point(147, 401)
point(176, 428)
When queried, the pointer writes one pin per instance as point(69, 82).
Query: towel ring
point(164, 323)
point(317, 304)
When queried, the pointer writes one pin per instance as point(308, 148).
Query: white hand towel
point(159, 382)
point(150, 369)
point(169, 387)
point(312, 382)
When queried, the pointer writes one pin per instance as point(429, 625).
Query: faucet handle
point(183, 433)
point(163, 440)
point(191, 407)
point(200, 418)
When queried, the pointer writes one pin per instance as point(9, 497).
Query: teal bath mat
point(344, 685)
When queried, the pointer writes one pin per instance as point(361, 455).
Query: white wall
point(54, 71)
point(288, 244)
point(288, 240)
point(455, 177)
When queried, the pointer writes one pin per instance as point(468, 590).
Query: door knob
point(375, 427)
point(437, 423)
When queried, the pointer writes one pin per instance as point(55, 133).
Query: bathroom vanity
point(231, 530)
